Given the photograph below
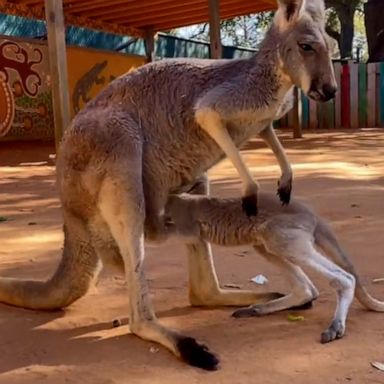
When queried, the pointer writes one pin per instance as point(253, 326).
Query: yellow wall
point(105, 66)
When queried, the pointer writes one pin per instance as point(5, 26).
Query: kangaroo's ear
point(289, 12)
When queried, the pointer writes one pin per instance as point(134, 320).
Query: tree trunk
point(346, 15)
point(374, 11)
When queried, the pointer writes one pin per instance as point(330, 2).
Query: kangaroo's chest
point(245, 125)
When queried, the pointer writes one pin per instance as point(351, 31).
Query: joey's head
point(304, 52)
point(180, 213)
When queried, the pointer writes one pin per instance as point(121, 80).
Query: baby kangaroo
point(284, 235)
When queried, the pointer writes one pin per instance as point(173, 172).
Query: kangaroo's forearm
point(270, 138)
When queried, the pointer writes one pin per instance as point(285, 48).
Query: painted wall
point(25, 84)
point(90, 70)
point(25, 95)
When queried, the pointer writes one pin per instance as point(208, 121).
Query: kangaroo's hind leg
point(204, 289)
point(122, 207)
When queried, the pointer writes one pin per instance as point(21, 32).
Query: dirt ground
point(341, 174)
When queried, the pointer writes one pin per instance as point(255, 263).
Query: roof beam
point(86, 6)
point(58, 67)
point(214, 30)
point(38, 13)
point(137, 9)
point(158, 9)
point(187, 19)
point(175, 13)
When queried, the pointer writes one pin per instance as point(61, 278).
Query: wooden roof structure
point(136, 17)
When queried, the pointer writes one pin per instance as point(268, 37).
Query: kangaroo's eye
point(306, 47)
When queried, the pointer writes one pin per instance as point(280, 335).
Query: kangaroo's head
point(304, 53)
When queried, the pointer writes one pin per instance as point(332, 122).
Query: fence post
point(363, 95)
point(371, 95)
point(297, 123)
point(58, 66)
point(313, 120)
point(338, 96)
point(345, 97)
point(354, 95)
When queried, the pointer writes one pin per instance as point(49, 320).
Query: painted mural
point(90, 70)
point(25, 86)
point(25, 96)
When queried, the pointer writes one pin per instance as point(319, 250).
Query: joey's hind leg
point(299, 250)
point(302, 294)
point(204, 289)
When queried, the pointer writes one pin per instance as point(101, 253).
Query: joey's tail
point(326, 239)
point(71, 280)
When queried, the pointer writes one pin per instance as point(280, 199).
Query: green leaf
point(292, 317)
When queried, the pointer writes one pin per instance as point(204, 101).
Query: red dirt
point(341, 174)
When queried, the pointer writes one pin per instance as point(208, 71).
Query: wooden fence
point(359, 103)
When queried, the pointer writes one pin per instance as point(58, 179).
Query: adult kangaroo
point(155, 131)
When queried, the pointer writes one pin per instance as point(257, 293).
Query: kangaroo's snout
point(322, 93)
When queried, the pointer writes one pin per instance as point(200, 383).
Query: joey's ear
point(289, 12)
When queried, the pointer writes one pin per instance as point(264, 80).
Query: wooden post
point(371, 95)
point(58, 66)
point(354, 94)
point(313, 119)
point(363, 105)
point(338, 70)
point(297, 112)
point(150, 45)
point(214, 29)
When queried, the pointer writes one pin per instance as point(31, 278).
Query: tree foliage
point(245, 31)
point(345, 24)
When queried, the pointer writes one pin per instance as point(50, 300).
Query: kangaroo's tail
point(72, 278)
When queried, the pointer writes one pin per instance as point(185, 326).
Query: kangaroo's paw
point(249, 204)
point(284, 190)
point(335, 331)
point(197, 355)
point(250, 311)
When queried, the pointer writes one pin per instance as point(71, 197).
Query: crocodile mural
point(85, 83)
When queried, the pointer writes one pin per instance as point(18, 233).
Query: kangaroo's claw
point(249, 204)
point(284, 192)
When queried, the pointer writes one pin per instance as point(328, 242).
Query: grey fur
point(285, 236)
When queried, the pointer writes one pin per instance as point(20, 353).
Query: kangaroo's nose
point(329, 91)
